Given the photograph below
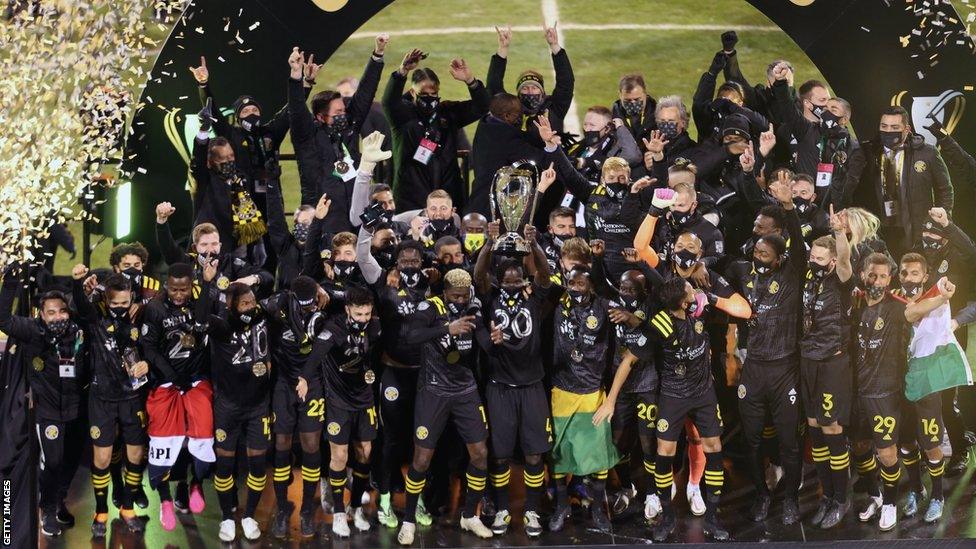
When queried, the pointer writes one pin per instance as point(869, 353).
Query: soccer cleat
point(911, 503)
point(623, 498)
point(835, 515)
point(140, 499)
point(384, 512)
point(64, 517)
point(821, 512)
point(774, 473)
point(423, 517)
point(600, 519)
point(652, 506)
point(475, 526)
point(197, 501)
point(695, 501)
point(874, 505)
point(133, 522)
point(533, 526)
point(889, 517)
point(99, 525)
point(181, 500)
point(327, 507)
point(340, 525)
point(500, 525)
point(167, 515)
point(306, 523)
point(713, 527)
point(666, 526)
point(252, 530)
point(405, 535)
point(228, 530)
point(959, 462)
point(359, 520)
point(558, 518)
point(760, 508)
point(791, 511)
point(49, 524)
point(279, 528)
point(934, 512)
point(488, 507)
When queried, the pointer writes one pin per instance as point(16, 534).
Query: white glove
point(372, 152)
point(663, 199)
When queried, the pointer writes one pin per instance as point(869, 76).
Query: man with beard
point(295, 319)
point(444, 327)
point(52, 343)
point(180, 403)
point(343, 351)
point(434, 221)
point(425, 130)
point(879, 367)
point(516, 397)
point(115, 402)
point(681, 216)
point(130, 259)
point(562, 227)
point(770, 376)
point(814, 221)
point(635, 107)
point(206, 245)
point(240, 365)
point(666, 144)
point(339, 272)
point(826, 364)
point(530, 86)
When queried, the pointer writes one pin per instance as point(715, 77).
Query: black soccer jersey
point(397, 307)
point(826, 317)
point(292, 333)
point(174, 343)
point(345, 355)
point(447, 362)
point(240, 361)
point(643, 374)
point(581, 344)
point(882, 348)
point(518, 359)
point(684, 365)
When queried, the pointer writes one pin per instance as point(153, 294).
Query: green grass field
point(671, 59)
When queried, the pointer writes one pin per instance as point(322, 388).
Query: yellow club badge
point(662, 425)
point(453, 357)
point(95, 432)
point(640, 314)
point(920, 166)
point(742, 391)
point(38, 363)
point(944, 266)
point(134, 334)
point(51, 432)
point(369, 376)
point(699, 327)
point(592, 322)
point(422, 433)
point(333, 428)
point(774, 287)
point(879, 324)
point(222, 283)
point(220, 435)
point(259, 368)
point(391, 394)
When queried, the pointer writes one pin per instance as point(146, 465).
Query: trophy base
point(511, 245)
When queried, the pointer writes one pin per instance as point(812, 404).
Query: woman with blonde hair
point(862, 233)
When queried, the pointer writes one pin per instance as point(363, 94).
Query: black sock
point(821, 458)
point(257, 479)
point(476, 480)
point(360, 483)
point(311, 474)
point(562, 489)
point(769, 445)
point(664, 478)
point(936, 471)
point(792, 470)
point(133, 478)
point(100, 479)
point(889, 479)
point(534, 477)
point(501, 474)
point(598, 487)
point(223, 481)
point(163, 490)
point(337, 484)
point(415, 485)
point(622, 468)
point(714, 479)
point(754, 457)
point(867, 468)
point(282, 476)
point(115, 468)
point(912, 460)
point(840, 462)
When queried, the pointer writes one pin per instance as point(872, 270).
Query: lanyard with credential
point(899, 164)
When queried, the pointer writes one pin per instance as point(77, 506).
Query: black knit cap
point(736, 124)
point(244, 101)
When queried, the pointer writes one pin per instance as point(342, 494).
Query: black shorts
point(230, 420)
point(878, 420)
point(638, 409)
point(926, 417)
point(128, 417)
point(770, 389)
point(432, 412)
point(289, 411)
point(827, 389)
point(703, 411)
point(357, 425)
point(518, 414)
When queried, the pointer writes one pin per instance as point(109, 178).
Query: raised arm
point(663, 199)
point(364, 257)
point(468, 112)
point(17, 327)
point(362, 100)
point(277, 224)
point(844, 269)
point(541, 264)
point(916, 311)
point(562, 93)
point(311, 260)
point(300, 118)
point(482, 276)
point(495, 81)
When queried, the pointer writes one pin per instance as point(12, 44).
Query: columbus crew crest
point(220, 435)
point(879, 324)
point(774, 287)
point(95, 432)
point(422, 433)
point(742, 391)
point(944, 266)
point(391, 394)
point(51, 432)
point(592, 322)
point(333, 428)
point(222, 283)
point(662, 425)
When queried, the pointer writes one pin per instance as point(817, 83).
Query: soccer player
point(344, 351)
point(515, 395)
point(825, 365)
point(444, 327)
point(240, 365)
point(180, 404)
point(879, 367)
point(115, 402)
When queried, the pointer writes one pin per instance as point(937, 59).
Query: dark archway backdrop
point(872, 52)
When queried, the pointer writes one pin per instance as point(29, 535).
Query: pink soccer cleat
point(167, 516)
point(197, 503)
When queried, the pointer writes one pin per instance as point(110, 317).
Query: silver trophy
point(513, 200)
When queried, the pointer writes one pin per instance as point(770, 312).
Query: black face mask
point(632, 107)
point(685, 259)
point(817, 270)
point(631, 303)
point(301, 231)
point(427, 104)
point(577, 297)
point(591, 138)
point(531, 103)
point(762, 267)
point(384, 256)
point(413, 277)
point(226, 170)
point(930, 244)
point(668, 129)
point(802, 204)
point(818, 111)
point(344, 270)
point(511, 295)
point(251, 122)
point(875, 292)
point(133, 275)
point(247, 317)
point(617, 190)
point(58, 328)
point(456, 308)
point(682, 219)
point(118, 313)
point(829, 120)
point(441, 226)
point(891, 140)
point(357, 326)
point(911, 289)
point(340, 122)
point(560, 239)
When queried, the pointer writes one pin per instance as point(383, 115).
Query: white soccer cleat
point(652, 506)
point(889, 517)
point(340, 526)
point(405, 535)
point(874, 505)
point(252, 530)
point(695, 500)
point(475, 526)
point(228, 530)
point(774, 473)
point(359, 520)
